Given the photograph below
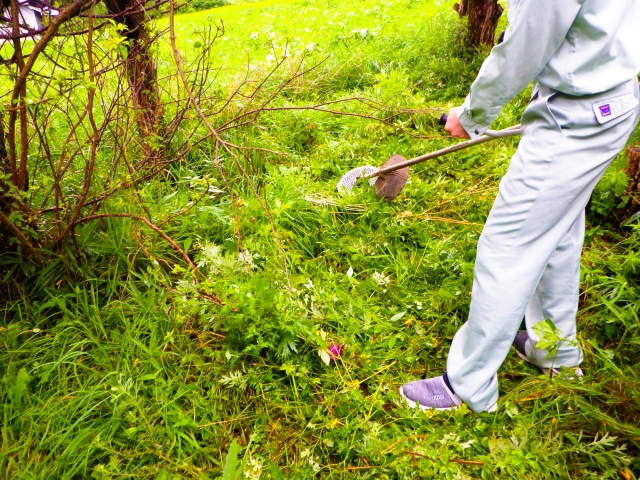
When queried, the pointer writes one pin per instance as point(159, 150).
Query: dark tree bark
point(484, 16)
point(633, 189)
point(142, 73)
point(5, 168)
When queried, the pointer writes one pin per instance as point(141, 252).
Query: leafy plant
point(551, 338)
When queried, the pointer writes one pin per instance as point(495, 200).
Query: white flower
point(363, 32)
point(247, 258)
point(380, 278)
point(253, 470)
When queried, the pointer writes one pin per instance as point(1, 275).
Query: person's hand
point(453, 126)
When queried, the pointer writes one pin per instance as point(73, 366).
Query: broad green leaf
point(163, 475)
point(550, 336)
point(20, 388)
point(231, 463)
point(276, 473)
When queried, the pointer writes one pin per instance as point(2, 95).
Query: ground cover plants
point(282, 358)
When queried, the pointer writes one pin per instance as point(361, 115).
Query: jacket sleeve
point(538, 30)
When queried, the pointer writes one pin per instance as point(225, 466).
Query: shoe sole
point(549, 372)
point(413, 404)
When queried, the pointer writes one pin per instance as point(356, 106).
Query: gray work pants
point(528, 257)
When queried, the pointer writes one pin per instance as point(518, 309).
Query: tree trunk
point(633, 188)
point(5, 168)
point(484, 16)
point(141, 69)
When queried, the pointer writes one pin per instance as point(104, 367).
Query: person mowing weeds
point(584, 57)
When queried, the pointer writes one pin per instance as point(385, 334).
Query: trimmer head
point(388, 185)
point(349, 179)
point(392, 176)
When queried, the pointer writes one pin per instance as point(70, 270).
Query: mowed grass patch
point(257, 29)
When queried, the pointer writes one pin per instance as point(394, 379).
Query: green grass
point(253, 26)
point(116, 365)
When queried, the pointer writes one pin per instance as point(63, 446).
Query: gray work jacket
point(579, 47)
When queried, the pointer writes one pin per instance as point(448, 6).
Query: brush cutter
point(392, 176)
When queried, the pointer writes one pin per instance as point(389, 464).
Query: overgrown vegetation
point(120, 361)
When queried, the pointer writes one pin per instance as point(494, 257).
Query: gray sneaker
point(432, 393)
point(520, 343)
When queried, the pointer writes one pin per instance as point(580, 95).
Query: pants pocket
point(612, 108)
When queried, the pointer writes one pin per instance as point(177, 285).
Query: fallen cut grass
point(116, 365)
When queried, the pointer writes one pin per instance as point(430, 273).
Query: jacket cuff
point(472, 126)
